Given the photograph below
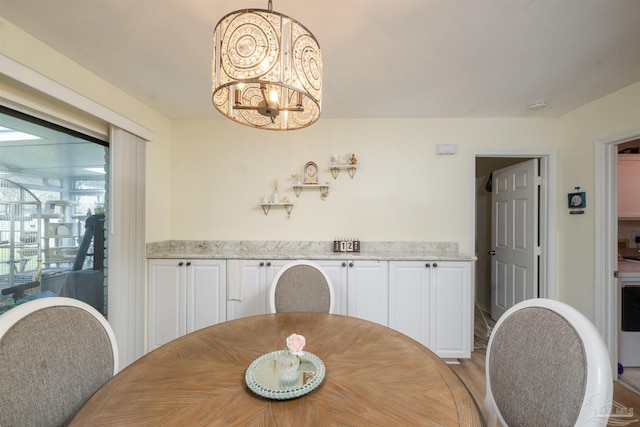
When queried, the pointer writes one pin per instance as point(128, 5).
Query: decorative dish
point(262, 377)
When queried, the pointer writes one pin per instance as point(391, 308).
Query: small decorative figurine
point(353, 159)
point(276, 195)
point(310, 173)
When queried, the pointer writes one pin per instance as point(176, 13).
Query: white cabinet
point(337, 272)
point(450, 309)
point(360, 288)
point(629, 186)
point(184, 295)
point(257, 276)
point(409, 299)
point(368, 290)
point(430, 301)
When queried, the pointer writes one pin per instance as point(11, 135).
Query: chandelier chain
point(270, 6)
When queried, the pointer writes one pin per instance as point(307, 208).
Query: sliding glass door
point(53, 195)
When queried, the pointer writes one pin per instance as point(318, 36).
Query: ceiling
point(381, 58)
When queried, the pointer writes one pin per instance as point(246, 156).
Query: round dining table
point(374, 376)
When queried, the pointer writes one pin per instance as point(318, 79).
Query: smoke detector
point(537, 105)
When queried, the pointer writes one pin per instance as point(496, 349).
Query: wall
point(613, 114)
point(205, 178)
point(401, 191)
point(34, 54)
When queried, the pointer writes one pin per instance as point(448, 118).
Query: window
point(53, 189)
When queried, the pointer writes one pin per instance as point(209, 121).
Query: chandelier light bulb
point(273, 95)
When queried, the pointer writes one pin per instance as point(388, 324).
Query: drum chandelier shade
point(267, 70)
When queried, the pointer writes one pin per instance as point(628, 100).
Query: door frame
point(547, 212)
point(606, 237)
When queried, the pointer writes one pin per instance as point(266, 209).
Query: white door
point(514, 264)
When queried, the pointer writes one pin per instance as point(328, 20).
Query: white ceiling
point(382, 58)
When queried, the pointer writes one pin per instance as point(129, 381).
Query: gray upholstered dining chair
point(301, 286)
point(54, 354)
point(547, 365)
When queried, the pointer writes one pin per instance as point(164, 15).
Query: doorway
point(606, 239)
point(482, 163)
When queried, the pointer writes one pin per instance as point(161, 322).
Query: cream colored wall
point(34, 54)
point(401, 191)
point(205, 178)
point(578, 131)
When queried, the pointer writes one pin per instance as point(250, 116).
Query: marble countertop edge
point(381, 251)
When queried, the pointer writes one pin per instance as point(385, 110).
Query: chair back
point(301, 286)
point(55, 353)
point(547, 365)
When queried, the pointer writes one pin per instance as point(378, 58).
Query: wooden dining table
point(374, 376)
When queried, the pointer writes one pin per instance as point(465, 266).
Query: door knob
point(492, 252)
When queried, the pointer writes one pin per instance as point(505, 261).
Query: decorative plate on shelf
point(262, 377)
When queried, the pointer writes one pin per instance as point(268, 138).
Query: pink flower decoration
point(295, 344)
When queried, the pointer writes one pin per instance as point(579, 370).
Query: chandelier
point(267, 70)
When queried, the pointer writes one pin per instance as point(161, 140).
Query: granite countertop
point(380, 251)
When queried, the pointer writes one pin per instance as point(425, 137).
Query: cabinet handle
point(427, 265)
point(261, 264)
point(268, 263)
point(435, 264)
point(188, 263)
point(180, 264)
point(350, 264)
point(344, 264)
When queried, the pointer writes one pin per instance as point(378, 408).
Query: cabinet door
point(629, 186)
point(368, 290)
point(337, 272)
point(167, 298)
point(257, 278)
point(450, 309)
point(254, 278)
point(409, 295)
point(206, 293)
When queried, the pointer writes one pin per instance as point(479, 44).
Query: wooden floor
point(472, 372)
